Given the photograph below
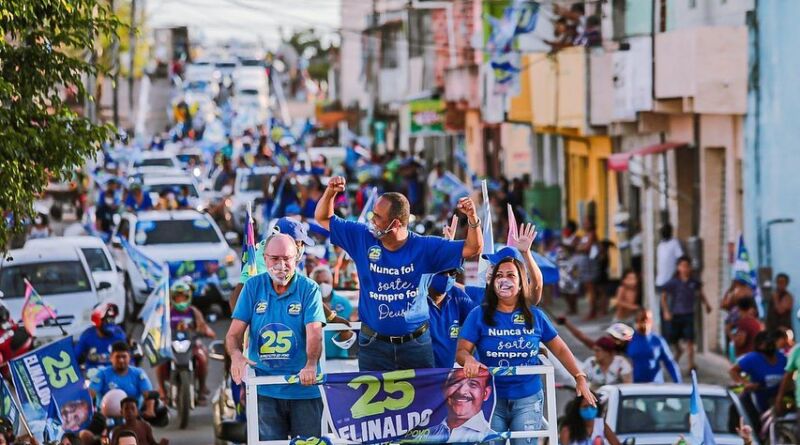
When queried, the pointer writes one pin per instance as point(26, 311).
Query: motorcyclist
point(13, 340)
point(184, 316)
point(94, 345)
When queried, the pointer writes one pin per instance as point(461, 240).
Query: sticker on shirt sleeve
point(295, 308)
point(276, 343)
point(454, 330)
point(374, 253)
point(261, 307)
point(519, 318)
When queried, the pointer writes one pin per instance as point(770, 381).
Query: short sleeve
point(472, 326)
point(624, 365)
point(244, 305)
point(347, 234)
point(98, 383)
point(746, 362)
point(442, 254)
point(144, 384)
point(313, 312)
point(794, 356)
point(546, 328)
point(464, 302)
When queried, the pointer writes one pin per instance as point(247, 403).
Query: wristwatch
point(332, 316)
point(476, 225)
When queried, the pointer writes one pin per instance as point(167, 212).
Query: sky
point(247, 20)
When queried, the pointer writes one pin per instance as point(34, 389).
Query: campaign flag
point(249, 248)
point(743, 270)
point(157, 334)
point(418, 311)
point(152, 272)
point(8, 406)
point(700, 431)
point(365, 215)
point(53, 425)
point(48, 380)
point(488, 235)
point(34, 310)
point(416, 406)
point(450, 185)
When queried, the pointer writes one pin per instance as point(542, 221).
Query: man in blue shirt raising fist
point(391, 261)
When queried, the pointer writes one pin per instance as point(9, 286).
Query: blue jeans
point(280, 419)
point(523, 414)
point(378, 355)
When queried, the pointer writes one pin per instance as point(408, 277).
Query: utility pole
point(115, 84)
point(132, 51)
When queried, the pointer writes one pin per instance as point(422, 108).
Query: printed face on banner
point(419, 406)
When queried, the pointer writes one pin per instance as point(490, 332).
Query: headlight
point(230, 259)
point(181, 346)
point(196, 172)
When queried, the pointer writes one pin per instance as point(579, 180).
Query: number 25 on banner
point(366, 405)
point(60, 371)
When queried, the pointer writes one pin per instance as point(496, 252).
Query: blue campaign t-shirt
point(94, 350)
point(277, 340)
point(767, 375)
point(134, 382)
point(476, 293)
point(388, 280)
point(446, 325)
point(647, 353)
point(343, 308)
point(510, 343)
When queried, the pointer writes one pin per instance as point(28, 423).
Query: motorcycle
point(181, 387)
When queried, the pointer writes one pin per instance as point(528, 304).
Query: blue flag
point(743, 270)
point(52, 426)
point(8, 406)
point(365, 215)
point(157, 333)
point(488, 235)
point(150, 269)
point(700, 432)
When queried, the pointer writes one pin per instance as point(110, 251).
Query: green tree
point(42, 54)
point(309, 46)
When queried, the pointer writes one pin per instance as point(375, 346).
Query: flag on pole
point(52, 426)
point(152, 272)
point(157, 334)
point(700, 431)
point(743, 270)
point(249, 248)
point(364, 217)
point(8, 406)
point(34, 310)
point(488, 234)
point(513, 232)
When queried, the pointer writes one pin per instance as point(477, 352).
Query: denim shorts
point(525, 414)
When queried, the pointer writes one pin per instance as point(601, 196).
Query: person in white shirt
point(605, 367)
point(668, 252)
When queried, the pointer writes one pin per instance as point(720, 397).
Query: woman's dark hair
point(490, 301)
point(72, 437)
point(782, 275)
point(573, 421)
point(639, 291)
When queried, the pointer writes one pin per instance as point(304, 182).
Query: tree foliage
point(308, 45)
point(44, 51)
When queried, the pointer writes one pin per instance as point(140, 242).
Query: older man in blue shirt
point(283, 310)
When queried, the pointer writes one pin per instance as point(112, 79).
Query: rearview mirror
point(217, 351)
point(103, 285)
point(629, 441)
point(232, 238)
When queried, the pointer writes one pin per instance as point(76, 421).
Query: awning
point(619, 161)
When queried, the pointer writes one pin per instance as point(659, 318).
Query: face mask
point(588, 412)
point(300, 252)
point(280, 274)
point(377, 233)
point(326, 289)
point(442, 283)
point(109, 201)
point(181, 306)
point(503, 287)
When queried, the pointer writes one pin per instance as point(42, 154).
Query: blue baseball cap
point(295, 229)
point(500, 255)
point(292, 209)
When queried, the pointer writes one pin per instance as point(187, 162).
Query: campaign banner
point(8, 406)
point(49, 375)
point(415, 406)
point(427, 117)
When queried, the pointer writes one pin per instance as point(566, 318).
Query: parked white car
point(155, 184)
point(61, 276)
point(654, 414)
point(189, 242)
point(158, 159)
point(101, 265)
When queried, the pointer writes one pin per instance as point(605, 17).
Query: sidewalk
point(711, 368)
